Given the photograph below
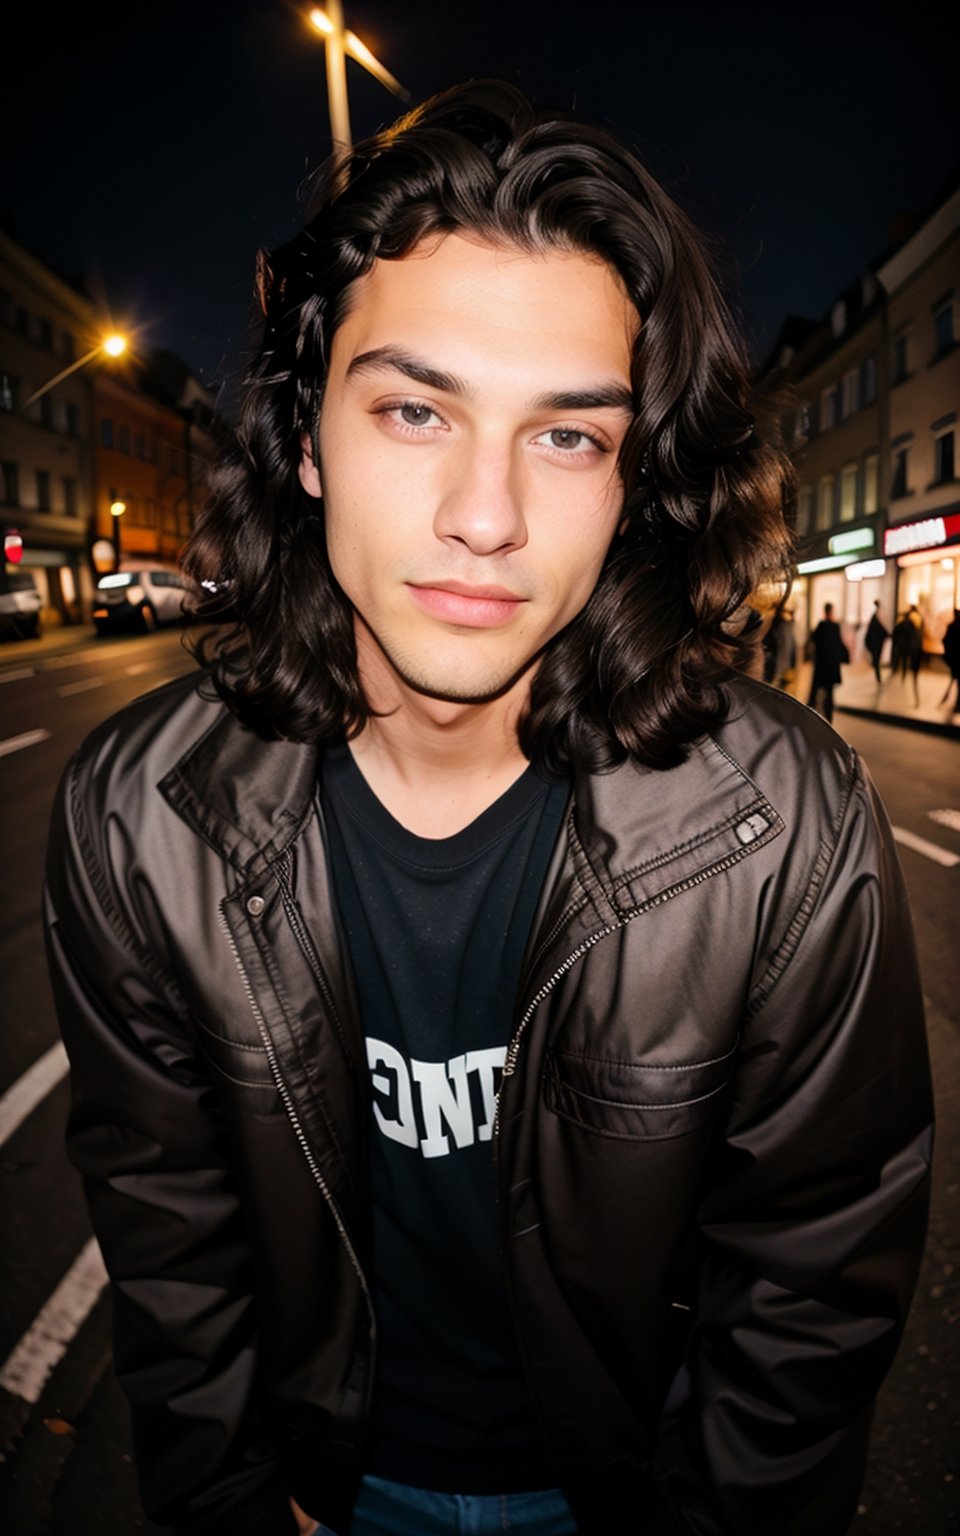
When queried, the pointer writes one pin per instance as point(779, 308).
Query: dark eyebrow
point(612, 394)
point(390, 359)
point(395, 359)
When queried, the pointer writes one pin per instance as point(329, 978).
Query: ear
point(309, 475)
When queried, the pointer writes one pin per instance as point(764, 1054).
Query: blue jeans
point(393, 1509)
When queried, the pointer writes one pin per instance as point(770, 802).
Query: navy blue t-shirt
point(436, 930)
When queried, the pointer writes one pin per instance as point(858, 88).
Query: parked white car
point(140, 599)
point(20, 604)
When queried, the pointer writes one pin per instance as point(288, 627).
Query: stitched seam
point(101, 890)
point(592, 1098)
point(642, 1066)
point(797, 925)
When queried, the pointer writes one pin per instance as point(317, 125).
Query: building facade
point(46, 472)
point(131, 437)
point(873, 392)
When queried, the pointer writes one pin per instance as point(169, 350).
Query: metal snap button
point(255, 905)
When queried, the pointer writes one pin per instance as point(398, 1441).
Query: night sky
point(156, 147)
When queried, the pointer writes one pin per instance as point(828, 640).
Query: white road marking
point(929, 850)
point(949, 819)
point(26, 1093)
point(70, 659)
point(15, 673)
point(82, 686)
point(138, 667)
point(16, 743)
point(43, 1346)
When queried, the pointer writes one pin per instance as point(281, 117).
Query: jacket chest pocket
point(635, 1101)
point(241, 1073)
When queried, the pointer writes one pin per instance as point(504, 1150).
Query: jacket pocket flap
point(633, 1099)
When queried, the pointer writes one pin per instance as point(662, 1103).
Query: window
point(848, 493)
point(123, 440)
point(901, 472)
point(45, 333)
point(850, 393)
point(871, 484)
point(68, 346)
point(901, 357)
point(804, 509)
point(46, 411)
point(943, 458)
point(43, 490)
point(106, 432)
point(69, 496)
point(139, 446)
point(10, 484)
point(868, 381)
point(829, 400)
point(7, 306)
point(9, 390)
point(943, 326)
point(71, 419)
point(825, 502)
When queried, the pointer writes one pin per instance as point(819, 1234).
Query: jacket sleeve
point(812, 1223)
point(147, 1136)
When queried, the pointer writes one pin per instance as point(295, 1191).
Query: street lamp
point(339, 43)
point(117, 509)
point(113, 345)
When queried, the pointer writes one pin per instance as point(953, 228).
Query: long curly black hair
point(640, 670)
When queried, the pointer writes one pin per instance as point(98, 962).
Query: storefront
point(851, 577)
point(927, 557)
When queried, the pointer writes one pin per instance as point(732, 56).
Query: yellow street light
point(338, 43)
point(113, 345)
point(117, 508)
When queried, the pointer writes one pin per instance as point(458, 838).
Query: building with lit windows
point(154, 434)
point(922, 286)
point(870, 398)
point(46, 482)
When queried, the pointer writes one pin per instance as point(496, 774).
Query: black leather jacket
point(712, 1140)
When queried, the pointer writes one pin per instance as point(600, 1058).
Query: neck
point(437, 764)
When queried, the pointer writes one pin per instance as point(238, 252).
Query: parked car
point(138, 600)
point(20, 604)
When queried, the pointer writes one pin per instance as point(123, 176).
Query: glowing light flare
point(114, 345)
point(117, 508)
point(321, 21)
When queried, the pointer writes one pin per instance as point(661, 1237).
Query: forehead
point(471, 296)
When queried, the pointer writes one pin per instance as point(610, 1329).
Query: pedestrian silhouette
point(877, 633)
point(828, 652)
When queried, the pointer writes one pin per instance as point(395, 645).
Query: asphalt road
point(66, 1467)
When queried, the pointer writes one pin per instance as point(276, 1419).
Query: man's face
point(476, 402)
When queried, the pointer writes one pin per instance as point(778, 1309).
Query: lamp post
point(117, 509)
point(339, 43)
point(113, 345)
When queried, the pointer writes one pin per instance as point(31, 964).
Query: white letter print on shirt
point(444, 1103)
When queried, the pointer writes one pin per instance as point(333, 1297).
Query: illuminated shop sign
point(845, 543)
point(825, 563)
point(927, 533)
point(862, 570)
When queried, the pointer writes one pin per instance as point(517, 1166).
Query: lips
point(455, 602)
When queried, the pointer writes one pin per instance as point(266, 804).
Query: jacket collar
point(244, 795)
point(635, 831)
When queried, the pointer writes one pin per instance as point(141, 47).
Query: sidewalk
point(893, 701)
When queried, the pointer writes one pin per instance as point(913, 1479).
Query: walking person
point(829, 653)
point(874, 640)
point(951, 655)
point(434, 1194)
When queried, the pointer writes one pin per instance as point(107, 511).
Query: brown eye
point(563, 437)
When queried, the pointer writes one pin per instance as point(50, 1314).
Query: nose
point(481, 504)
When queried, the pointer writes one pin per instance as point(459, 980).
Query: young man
point(498, 1067)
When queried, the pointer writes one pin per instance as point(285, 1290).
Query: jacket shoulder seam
point(797, 925)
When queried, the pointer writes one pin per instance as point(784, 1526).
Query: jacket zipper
point(294, 1118)
point(306, 946)
point(513, 1050)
